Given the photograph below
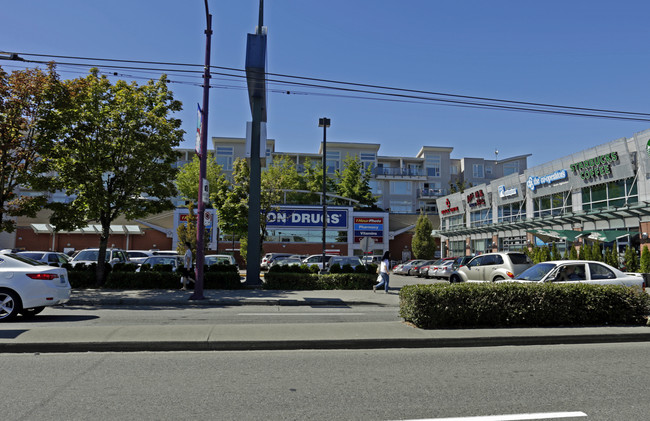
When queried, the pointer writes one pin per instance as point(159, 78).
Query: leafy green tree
point(423, 244)
point(312, 180)
point(233, 208)
point(573, 253)
point(353, 182)
point(114, 153)
point(27, 97)
point(645, 260)
point(612, 257)
point(187, 179)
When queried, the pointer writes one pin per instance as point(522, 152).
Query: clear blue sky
point(582, 53)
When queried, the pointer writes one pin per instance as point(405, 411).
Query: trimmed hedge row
point(312, 281)
point(511, 304)
point(80, 279)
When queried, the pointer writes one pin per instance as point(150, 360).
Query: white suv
point(90, 256)
point(491, 267)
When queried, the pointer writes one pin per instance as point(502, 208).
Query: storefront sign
point(595, 167)
point(476, 198)
point(449, 208)
point(369, 227)
point(503, 193)
point(306, 218)
point(534, 181)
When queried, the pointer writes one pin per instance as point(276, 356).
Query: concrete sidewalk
point(212, 337)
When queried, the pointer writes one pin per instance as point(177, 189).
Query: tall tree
point(232, 209)
point(187, 180)
point(353, 181)
point(114, 153)
point(26, 99)
point(423, 243)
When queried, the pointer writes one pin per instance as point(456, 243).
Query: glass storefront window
point(610, 195)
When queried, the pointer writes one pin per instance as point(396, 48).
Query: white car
point(220, 259)
point(579, 271)
point(90, 256)
point(52, 258)
point(27, 286)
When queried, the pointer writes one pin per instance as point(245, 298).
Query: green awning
point(608, 235)
point(555, 235)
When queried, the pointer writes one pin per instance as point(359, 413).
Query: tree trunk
point(100, 274)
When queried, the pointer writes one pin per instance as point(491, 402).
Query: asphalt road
point(591, 382)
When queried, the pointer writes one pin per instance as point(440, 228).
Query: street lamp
point(324, 123)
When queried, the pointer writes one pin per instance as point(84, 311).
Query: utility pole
point(256, 80)
point(324, 123)
point(203, 155)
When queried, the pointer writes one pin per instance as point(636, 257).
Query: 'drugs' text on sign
point(306, 218)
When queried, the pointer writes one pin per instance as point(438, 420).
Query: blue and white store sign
point(534, 181)
point(506, 193)
point(306, 218)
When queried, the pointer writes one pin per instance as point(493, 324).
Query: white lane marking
point(302, 314)
point(513, 417)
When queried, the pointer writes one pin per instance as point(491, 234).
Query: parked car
point(405, 268)
point(421, 269)
point(51, 258)
point(220, 259)
point(139, 256)
point(441, 270)
point(579, 271)
point(492, 267)
point(174, 261)
point(90, 256)
point(353, 261)
point(289, 261)
point(269, 258)
point(317, 259)
point(27, 286)
point(461, 261)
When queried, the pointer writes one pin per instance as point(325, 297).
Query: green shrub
point(125, 267)
point(645, 260)
point(512, 304)
point(310, 281)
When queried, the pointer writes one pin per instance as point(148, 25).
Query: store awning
point(555, 235)
point(609, 235)
point(89, 229)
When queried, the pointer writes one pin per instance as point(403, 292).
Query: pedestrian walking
point(383, 273)
point(187, 271)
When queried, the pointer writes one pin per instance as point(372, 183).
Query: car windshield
point(536, 273)
point(90, 255)
point(220, 260)
point(31, 255)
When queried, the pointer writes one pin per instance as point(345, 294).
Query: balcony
point(431, 193)
point(399, 173)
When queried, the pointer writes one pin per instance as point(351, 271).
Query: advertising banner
point(306, 218)
point(372, 227)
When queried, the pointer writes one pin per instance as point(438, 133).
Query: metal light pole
point(324, 123)
point(200, 223)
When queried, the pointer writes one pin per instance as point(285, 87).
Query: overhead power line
point(376, 92)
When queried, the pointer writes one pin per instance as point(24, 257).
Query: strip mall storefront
point(598, 194)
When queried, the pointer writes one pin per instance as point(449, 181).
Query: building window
point(477, 171)
point(512, 212)
point(368, 160)
point(432, 164)
point(401, 187)
point(457, 248)
point(333, 161)
point(488, 169)
point(453, 169)
point(401, 206)
point(510, 168)
point(552, 205)
point(456, 221)
point(610, 195)
point(225, 155)
point(480, 217)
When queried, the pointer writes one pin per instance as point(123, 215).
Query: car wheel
point(9, 305)
point(31, 312)
point(498, 278)
point(453, 279)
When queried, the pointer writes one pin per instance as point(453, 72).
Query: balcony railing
point(423, 193)
point(399, 172)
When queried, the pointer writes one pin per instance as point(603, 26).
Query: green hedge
point(512, 304)
point(222, 279)
point(311, 281)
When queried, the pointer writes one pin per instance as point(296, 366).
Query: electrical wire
point(376, 92)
